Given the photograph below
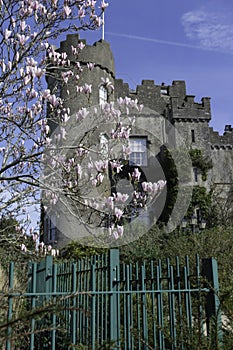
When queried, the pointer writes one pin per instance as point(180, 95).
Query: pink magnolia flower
point(82, 114)
point(103, 5)
point(79, 170)
point(107, 83)
point(161, 184)
point(100, 178)
point(46, 94)
point(67, 10)
point(23, 248)
point(87, 88)
point(153, 188)
point(53, 252)
point(81, 13)
point(116, 166)
point(54, 3)
point(120, 230)
point(7, 34)
point(136, 174)
point(116, 231)
point(126, 150)
point(121, 197)
point(81, 45)
point(101, 165)
point(118, 213)
point(90, 65)
point(23, 26)
point(94, 182)
point(110, 202)
point(54, 100)
point(22, 39)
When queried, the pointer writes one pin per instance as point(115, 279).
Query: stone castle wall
point(171, 105)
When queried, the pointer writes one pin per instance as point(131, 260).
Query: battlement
point(224, 141)
point(99, 53)
point(159, 97)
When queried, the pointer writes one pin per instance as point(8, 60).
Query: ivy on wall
point(201, 162)
point(201, 199)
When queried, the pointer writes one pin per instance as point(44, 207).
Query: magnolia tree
point(27, 30)
point(76, 168)
point(90, 187)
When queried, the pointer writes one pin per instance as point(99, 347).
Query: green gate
point(100, 303)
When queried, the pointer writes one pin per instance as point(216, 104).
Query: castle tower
point(93, 64)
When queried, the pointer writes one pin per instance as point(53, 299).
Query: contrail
point(158, 41)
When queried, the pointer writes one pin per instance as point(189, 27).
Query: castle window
point(193, 135)
point(104, 145)
point(50, 228)
point(195, 173)
point(103, 95)
point(138, 155)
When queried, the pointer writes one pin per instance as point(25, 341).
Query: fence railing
point(100, 303)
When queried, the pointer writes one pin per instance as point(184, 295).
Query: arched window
point(103, 95)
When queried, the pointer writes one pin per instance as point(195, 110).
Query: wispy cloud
point(154, 40)
point(209, 30)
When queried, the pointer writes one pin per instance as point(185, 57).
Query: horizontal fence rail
point(100, 303)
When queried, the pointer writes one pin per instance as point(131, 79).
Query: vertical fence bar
point(105, 273)
point(138, 308)
point(131, 305)
point(118, 313)
point(213, 314)
point(200, 311)
point(54, 288)
point(93, 307)
point(127, 309)
point(179, 299)
point(114, 261)
point(33, 303)
point(79, 304)
point(123, 280)
point(74, 305)
point(160, 307)
point(10, 304)
point(188, 300)
point(172, 308)
point(144, 309)
point(153, 305)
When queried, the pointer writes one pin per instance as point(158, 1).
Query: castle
point(171, 105)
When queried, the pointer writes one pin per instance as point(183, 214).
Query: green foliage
point(10, 243)
point(201, 199)
point(171, 175)
point(214, 242)
point(201, 162)
point(75, 250)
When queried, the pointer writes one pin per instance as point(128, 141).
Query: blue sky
point(189, 40)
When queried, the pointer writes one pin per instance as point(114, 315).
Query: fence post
point(210, 273)
point(10, 304)
point(114, 262)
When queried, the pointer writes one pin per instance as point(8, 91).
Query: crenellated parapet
point(99, 53)
point(170, 98)
point(189, 110)
point(102, 69)
point(224, 141)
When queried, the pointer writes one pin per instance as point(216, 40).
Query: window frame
point(195, 174)
point(138, 156)
point(103, 95)
point(193, 135)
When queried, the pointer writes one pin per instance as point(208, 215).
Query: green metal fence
point(100, 303)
